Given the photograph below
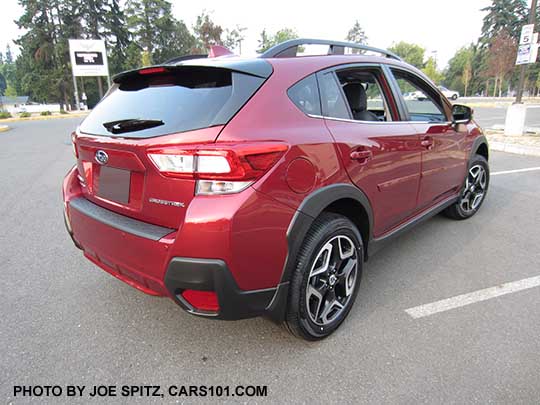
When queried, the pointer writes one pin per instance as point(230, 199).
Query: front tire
point(325, 281)
point(474, 190)
point(454, 97)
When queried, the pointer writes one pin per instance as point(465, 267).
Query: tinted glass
point(332, 101)
point(190, 98)
point(423, 104)
point(305, 95)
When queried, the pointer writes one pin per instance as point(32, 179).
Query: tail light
point(73, 144)
point(218, 168)
point(202, 300)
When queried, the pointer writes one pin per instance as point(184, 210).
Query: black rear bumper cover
point(214, 275)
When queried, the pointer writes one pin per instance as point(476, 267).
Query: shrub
point(4, 114)
point(46, 113)
point(62, 111)
point(25, 114)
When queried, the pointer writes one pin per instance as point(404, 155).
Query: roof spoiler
point(289, 49)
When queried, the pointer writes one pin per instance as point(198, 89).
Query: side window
point(364, 94)
point(333, 104)
point(305, 95)
point(422, 103)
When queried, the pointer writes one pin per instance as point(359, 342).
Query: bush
point(46, 113)
point(4, 114)
point(25, 114)
point(62, 111)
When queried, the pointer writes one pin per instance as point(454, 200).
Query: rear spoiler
point(218, 58)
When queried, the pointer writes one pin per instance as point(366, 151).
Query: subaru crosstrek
point(241, 187)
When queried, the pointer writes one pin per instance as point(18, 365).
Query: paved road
point(488, 117)
point(66, 322)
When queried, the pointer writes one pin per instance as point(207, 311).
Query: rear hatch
point(158, 107)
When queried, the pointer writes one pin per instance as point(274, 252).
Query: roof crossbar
point(289, 48)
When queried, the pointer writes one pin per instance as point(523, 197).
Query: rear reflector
point(202, 300)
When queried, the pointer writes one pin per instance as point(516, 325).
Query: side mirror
point(461, 114)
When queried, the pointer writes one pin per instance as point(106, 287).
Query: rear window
point(187, 98)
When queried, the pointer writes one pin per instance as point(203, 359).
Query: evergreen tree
point(357, 35)
point(507, 15)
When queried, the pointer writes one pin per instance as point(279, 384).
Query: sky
point(440, 26)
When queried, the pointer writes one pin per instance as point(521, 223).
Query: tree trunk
point(100, 87)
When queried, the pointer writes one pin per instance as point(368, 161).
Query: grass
point(4, 114)
point(46, 113)
point(25, 114)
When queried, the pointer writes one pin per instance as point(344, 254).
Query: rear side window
point(305, 95)
point(333, 103)
point(184, 99)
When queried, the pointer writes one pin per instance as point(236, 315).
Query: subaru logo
point(102, 157)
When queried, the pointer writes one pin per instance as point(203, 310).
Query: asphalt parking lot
point(64, 321)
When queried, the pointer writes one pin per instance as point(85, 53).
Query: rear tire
point(325, 281)
point(474, 190)
point(454, 97)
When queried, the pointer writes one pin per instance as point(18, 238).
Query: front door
point(444, 161)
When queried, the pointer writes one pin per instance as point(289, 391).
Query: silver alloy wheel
point(475, 189)
point(332, 280)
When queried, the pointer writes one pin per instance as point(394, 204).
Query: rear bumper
point(213, 275)
point(145, 257)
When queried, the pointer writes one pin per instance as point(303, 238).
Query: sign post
point(88, 58)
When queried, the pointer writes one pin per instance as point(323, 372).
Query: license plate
point(114, 184)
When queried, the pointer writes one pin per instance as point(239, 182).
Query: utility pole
point(523, 68)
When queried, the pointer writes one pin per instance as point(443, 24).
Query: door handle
point(427, 142)
point(362, 156)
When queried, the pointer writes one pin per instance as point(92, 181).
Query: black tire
point(326, 229)
point(454, 97)
point(457, 211)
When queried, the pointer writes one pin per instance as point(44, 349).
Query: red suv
point(245, 187)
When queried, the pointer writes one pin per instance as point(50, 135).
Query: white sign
point(524, 54)
point(88, 57)
point(526, 34)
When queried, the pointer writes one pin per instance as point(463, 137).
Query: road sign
point(526, 34)
point(528, 45)
point(88, 57)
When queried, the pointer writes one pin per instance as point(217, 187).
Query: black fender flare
point(480, 140)
point(312, 206)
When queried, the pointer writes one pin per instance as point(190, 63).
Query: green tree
point(156, 31)
point(267, 41)
point(432, 72)
point(234, 37)
point(357, 35)
point(207, 33)
point(410, 53)
point(10, 91)
point(507, 15)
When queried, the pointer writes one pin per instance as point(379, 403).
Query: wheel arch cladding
point(344, 199)
point(480, 147)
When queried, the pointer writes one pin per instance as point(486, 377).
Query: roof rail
point(289, 48)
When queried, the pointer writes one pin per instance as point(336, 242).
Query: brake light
point(149, 71)
point(218, 168)
point(203, 300)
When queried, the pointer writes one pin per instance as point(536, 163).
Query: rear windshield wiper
point(131, 125)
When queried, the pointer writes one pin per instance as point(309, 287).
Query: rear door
point(162, 107)
point(381, 155)
point(444, 159)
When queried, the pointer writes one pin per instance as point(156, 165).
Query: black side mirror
point(461, 114)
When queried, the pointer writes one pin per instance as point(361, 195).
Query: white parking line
point(530, 169)
point(471, 298)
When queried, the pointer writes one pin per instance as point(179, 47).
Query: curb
point(45, 117)
point(516, 149)
point(3, 128)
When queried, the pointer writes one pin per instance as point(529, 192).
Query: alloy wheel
point(475, 189)
point(332, 280)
